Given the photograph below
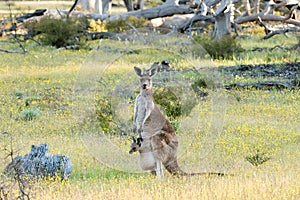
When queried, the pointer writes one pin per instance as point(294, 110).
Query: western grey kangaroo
point(157, 142)
point(149, 123)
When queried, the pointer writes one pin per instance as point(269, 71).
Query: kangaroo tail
point(174, 169)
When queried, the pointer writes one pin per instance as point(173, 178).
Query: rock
point(40, 164)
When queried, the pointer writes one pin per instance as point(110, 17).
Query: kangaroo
point(157, 141)
point(148, 122)
point(173, 169)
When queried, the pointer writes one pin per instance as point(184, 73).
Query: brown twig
point(72, 8)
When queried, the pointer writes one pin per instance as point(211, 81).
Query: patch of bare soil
point(288, 75)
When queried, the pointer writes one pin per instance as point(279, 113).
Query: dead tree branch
point(261, 85)
point(11, 51)
point(73, 7)
point(266, 15)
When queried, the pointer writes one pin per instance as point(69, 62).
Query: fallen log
point(38, 163)
point(267, 15)
point(262, 85)
point(151, 13)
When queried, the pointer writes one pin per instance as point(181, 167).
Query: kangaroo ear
point(138, 71)
point(133, 139)
point(153, 71)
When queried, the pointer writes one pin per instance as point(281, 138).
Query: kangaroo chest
point(144, 104)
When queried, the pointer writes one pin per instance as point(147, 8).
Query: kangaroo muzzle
point(144, 86)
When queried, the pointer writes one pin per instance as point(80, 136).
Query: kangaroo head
point(135, 145)
point(145, 77)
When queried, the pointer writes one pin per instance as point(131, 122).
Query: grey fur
point(160, 143)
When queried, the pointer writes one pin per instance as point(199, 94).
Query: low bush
point(121, 25)
point(168, 100)
point(172, 104)
point(257, 159)
point(59, 32)
point(104, 114)
point(30, 114)
point(199, 83)
point(219, 49)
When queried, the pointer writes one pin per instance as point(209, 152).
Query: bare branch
point(73, 7)
point(283, 32)
point(11, 51)
point(266, 15)
point(195, 19)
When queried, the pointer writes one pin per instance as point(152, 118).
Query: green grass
point(219, 134)
point(22, 7)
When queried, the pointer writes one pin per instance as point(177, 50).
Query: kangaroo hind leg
point(159, 169)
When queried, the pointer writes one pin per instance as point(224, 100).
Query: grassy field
point(58, 88)
point(21, 7)
point(16, 8)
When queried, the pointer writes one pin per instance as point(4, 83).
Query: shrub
point(96, 25)
point(58, 32)
point(257, 159)
point(104, 113)
point(121, 25)
point(30, 114)
point(219, 49)
point(172, 105)
point(199, 83)
point(169, 101)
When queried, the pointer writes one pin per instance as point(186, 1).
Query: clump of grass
point(226, 47)
point(19, 94)
point(30, 114)
point(257, 159)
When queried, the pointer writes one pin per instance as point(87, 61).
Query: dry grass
point(245, 121)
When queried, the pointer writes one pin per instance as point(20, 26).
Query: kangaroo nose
point(144, 85)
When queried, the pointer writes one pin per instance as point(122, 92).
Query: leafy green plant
point(30, 114)
point(199, 83)
point(219, 49)
point(59, 32)
point(121, 25)
point(104, 113)
point(169, 101)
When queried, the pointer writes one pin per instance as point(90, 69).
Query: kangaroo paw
point(139, 141)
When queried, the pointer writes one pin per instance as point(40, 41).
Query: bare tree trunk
point(247, 7)
point(222, 25)
point(223, 20)
point(129, 5)
point(171, 2)
point(84, 4)
point(99, 7)
point(102, 6)
point(140, 4)
point(256, 6)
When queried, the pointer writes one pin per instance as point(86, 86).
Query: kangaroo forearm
point(148, 112)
